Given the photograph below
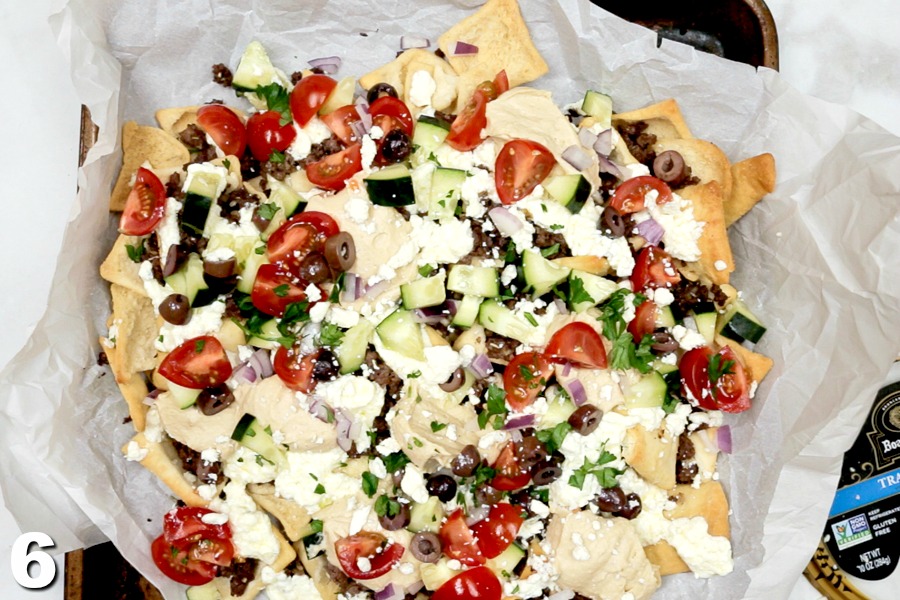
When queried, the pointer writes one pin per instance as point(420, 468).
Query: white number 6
point(21, 558)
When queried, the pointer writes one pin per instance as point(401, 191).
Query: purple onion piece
point(150, 398)
point(359, 129)
point(365, 118)
point(390, 592)
point(244, 373)
point(587, 137)
point(576, 391)
point(376, 290)
point(481, 366)
point(479, 513)
point(413, 41)
point(519, 422)
point(603, 144)
point(567, 368)
point(428, 318)
point(561, 306)
point(651, 231)
point(328, 64)
point(262, 363)
point(723, 439)
point(577, 157)
point(414, 588)
point(319, 409)
point(348, 293)
point(608, 166)
point(463, 49)
point(506, 222)
point(344, 427)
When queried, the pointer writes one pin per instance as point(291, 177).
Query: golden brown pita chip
point(757, 365)
point(317, 569)
point(706, 160)
point(119, 269)
point(664, 119)
point(716, 261)
point(163, 461)
point(652, 454)
point(597, 265)
point(144, 144)
point(285, 557)
point(752, 179)
point(399, 73)
point(174, 120)
point(135, 326)
point(134, 390)
point(504, 43)
point(293, 517)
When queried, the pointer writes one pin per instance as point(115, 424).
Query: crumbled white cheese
point(342, 317)
point(134, 452)
point(214, 518)
point(361, 398)
point(308, 472)
point(357, 208)
point(251, 528)
point(441, 243)
point(413, 484)
point(246, 466)
point(676, 217)
point(204, 320)
point(168, 231)
point(422, 88)
point(687, 338)
point(280, 586)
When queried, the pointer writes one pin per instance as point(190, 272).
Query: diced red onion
point(244, 373)
point(376, 290)
point(603, 144)
point(318, 408)
point(519, 422)
point(506, 222)
point(262, 363)
point(561, 307)
point(723, 439)
point(150, 398)
point(419, 316)
point(481, 366)
point(413, 41)
point(577, 157)
point(362, 109)
point(651, 231)
point(576, 391)
point(328, 64)
point(587, 137)
point(391, 592)
point(352, 287)
point(344, 430)
point(463, 49)
point(479, 513)
point(434, 314)
point(359, 129)
point(608, 166)
point(567, 368)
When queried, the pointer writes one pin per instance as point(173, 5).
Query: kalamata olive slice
point(176, 309)
point(397, 477)
point(262, 223)
point(455, 382)
point(398, 521)
point(530, 451)
point(380, 89)
point(314, 268)
point(174, 257)
point(487, 495)
point(396, 146)
point(632, 507)
point(441, 485)
point(610, 500)
point(669, 166)
point(686, 471)
point(426, 547)
point(663, 342)
point(214, 400)
point(465, 463)
point(209, 472)
point(220, 269)
point(585, 419)
point(612, 223)
point(546, 472)
point(340, 251)
point(326, 367)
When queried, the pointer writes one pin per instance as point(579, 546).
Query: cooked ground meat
point(500, 348)
point(222, 75)
point(639, 142)
point(241, 574)
point(686, 471)
point(484, 243)
point(608, 183)
point(102, 359)
point(694, 296)
point(232, 202)
point(151, 253)
point(383, 375)
point(319, 151)
point(296, 76)
point(685, 447)
point(546, 239)
point(195, 140)
point(173, 187)
point(447, 118)
point(279, 169)
point(192, 463)
point(249, 166)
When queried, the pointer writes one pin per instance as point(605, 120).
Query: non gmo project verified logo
point(851, 532)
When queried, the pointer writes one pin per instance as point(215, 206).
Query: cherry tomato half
point(275, 288)
point(496, 532)
point(579, 344)
point(629, 196)
point(465, 131)
point(654, 268)
point(520, 167)
point(145, 206)
point(458, 541)
point(525, 377)
point(185, 523)
point(373, 548)
point(197, 363)
point(176, 563)
point(730, 392)
point(300, 235)
point(295, 369)
point(224, 127)
point(479, 583)
point(266, 134)
point(390, 113)
point(333, 171)
point(510, 474)
point(644, 322)
point(309, 95)
point(340, 121)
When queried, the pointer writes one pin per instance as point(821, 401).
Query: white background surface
point(852, 58)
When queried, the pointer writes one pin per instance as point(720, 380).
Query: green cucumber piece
point(391, 186)
point(251, 266)
point(426, 516)
point(739, 324)
point(599, 106)
point(400, 332)
point(505, 563)
point(664, 368)
point(540, 273)
point(598, 288)
point(184, 397)
point(421, 293)
point(254, 70)
point(559, 409)
point(430, 133)
point(267, 337)
point(207, 591)
point(351, 353)
point(188, 280)
point(467, 311)
point(572, 191)
point(474, 281)
point(446, 185)
point(195, 213)
point(205, 180)
point(664, 317)
point(706, 325)
point(501, 320)
point(648, 392)
point(252, 434)
point(286, 202)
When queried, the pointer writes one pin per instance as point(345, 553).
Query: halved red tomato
point(275, 288)
point(197, 363)
point(729, 392)
point(525, 377)
point(145, 206)
point(510, 474)
point(390, 113)
point(496, 532)
point(185, 523)
point(367, 555)
point(579, 344)
point(629, 196)
point(340, 121)
point(296, 369)
point(177, 564)
point(654, 268)
point(519, 168)
point(224, 127)
point(458, 541)
point(465, 131)
point(479, 583)
point(309, 95)
point(644, 322)
point(266, 134)
point(333, 171)
point(298, 236)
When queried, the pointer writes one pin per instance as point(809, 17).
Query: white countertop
point(849, 57)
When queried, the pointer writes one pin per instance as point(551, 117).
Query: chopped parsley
point(276, 157)
point(414, 375)
point(282, 290)
point(277, 99)
point(135, 252)
point(267, 210)
point(577, 293)
point(320, 489)
point(718, 368)
point(530, 318)
point(369, 484)
point(496, 407)
point(437, 426)
point(330, 335)
point(316, 525)
point(550, 251)
point(386, 507)
point(624, 354)
point(396, 461)
point(553, 438)
point(425, 270)
point(335, 295)
point(606, 476)
point(483, 474)
point(199, 345)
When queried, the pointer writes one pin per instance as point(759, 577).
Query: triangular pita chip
point(162, 461)
point(144, 144)
point(135, 324)
point(652, 454)
point(757, 364)
point(174, 120)
point(118, 268)
point(399, 73)
point(706, 160)
point(752, 179)
point(716, 262)
point(293, 517)
point(664, 119)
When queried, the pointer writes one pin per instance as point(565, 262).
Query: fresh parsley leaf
point(496, 405)
point(282, 290)
point(436, 426)
point(267, 210)
point(199, 345)
point(417, 442)
point(296, 312)
point(550, 251)
point(606, 476)
point(330, 335)
point(425, 270)
point(511, 255)
point(135, 252)
point(316, 525)
point(718, 368)
point(226, 163)
point(414, 375)
point(396, 461)
point(320, 489)
point(577, 293)
point(385, 506)
point(260, 250)
point(553, 438)
point(277, 99)
point(335, 294)
point(556, 227)
point(483, 474)
point(276, 157)
point(621, 351)
point(369, 484)
point(530, 318)
point(268, 429)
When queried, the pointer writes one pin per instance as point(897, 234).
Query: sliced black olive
point(455, 382)
point(610, 500)
point(398, 521)
point(442, 486)
point(632, 507)
point(585, 419)
point(395, 147)
point(663, 342)
point(546, 472)
point(220, 269)
point(340, 251)
point(314, 268)
point(487, 495)
point(214, 400)
point(380, 89)
point(426, 547)
point(176, 309)
point(326, 366)
point(612, 223)
point(465, 463)
point(174, 258)
point(669, 166)
point(530, 451)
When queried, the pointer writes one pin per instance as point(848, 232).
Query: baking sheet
point(819, 257)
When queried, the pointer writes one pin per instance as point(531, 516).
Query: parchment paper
point(818, 260)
